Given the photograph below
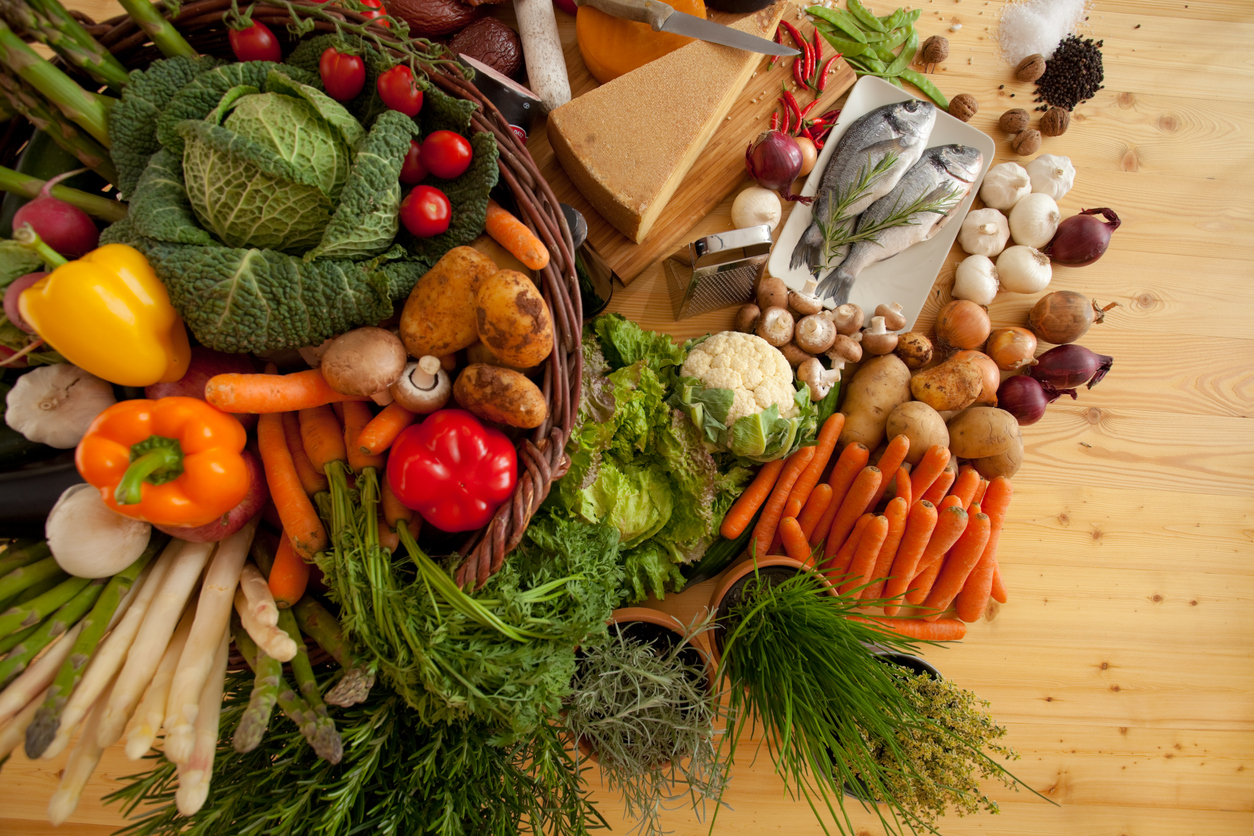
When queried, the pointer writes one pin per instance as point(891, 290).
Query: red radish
point(233, 520)
point(67, 229)
point(205, 364)
point(11, 294)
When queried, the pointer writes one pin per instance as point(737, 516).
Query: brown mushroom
point(894, 319)
point(775, 325)
point(794, 355)
point(844, 350)
point(747, 318)
point(772, 293)
point(363, 361)
point(819, 379)
point(424, 387)
point(804, 302)
point(848, 319)
point(877, 339)
point(814, 333)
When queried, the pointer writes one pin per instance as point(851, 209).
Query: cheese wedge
point(628, 144)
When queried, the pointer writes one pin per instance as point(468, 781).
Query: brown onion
point(988, 370)
point(1012, 348)
point(1064, 316)
point(962, 324)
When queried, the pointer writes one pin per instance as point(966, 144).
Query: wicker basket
point(541, 456)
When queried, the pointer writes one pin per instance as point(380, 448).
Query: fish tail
point(808, 248)
point(836, 286)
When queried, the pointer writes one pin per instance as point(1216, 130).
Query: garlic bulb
point(1023, 269)
point(55, 405)
point(984, 232)
point(1051, 175)
point(1004, 185)
point(1034, 220)
point(754, 206)
point(976, 280)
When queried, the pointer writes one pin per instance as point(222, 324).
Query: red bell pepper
point(453, 470)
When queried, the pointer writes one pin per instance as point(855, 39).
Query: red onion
point(1026, 397)
point(1071, 365)
point(1081, 239)
point(774, 160)
point(12, 292)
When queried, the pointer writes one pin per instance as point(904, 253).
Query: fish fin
point(836, 286)
point(809, 248)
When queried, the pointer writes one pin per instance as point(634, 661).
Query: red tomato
point(374, 9)
point(256, 43)
point(413, 171)
point(399, 91)
point(446, 154)
point(425, 211)
point(343, 75)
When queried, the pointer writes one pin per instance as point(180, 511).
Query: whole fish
point(945, 172)
point(902, 129)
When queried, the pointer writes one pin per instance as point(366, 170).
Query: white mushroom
point(424, 387)
point(775, 325)
point(55, 405)
point(363, 361)
point(894, 318)
point(819, 379)
point(815, 333)
point(877, 339)
point(847, 318)
point(844, 350)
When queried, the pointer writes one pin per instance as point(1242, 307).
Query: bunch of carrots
point(932, 545)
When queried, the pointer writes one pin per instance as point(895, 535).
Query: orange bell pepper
point(174, 461)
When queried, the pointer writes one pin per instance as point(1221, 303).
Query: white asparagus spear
point(151, 712)
point(13, 733)
point(213, 616)
point(154, 635)
point(111, 652)
point(81, 764)
point(38, 676)
point(273, 640)
point(195, 773)
point(260, 599)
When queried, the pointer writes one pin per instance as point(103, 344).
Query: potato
point(480, 353)
point(921, 424)
point(1003, 464)
point(878, 387)
point(501, 395)
point(513, 320)
point(439, 315)
point(982, 431)
point(954, 384)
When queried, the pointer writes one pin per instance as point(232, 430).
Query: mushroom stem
point(425, 375)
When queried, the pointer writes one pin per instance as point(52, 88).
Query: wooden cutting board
point(717, 173)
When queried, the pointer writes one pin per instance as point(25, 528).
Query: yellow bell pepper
point(109, 314)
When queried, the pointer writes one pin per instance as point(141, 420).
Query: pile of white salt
point(1031, 26)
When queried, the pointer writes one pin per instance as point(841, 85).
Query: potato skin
point(512, 319)
point(1003, 464)
point(878, 387)
point(500, 395)
point(921, 424)
point(439, 315)
point(954, 384)
point(982, 431)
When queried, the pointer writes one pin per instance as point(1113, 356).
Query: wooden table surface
point(1122, 663)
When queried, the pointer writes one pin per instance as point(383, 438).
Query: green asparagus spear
point(49, 23)
point(17, 637)
point(21, 616)
point(27, 101)
point(16, 556)
point(266, 687)
point(165, 36)
point(93, 204)
point(27, 576)
point(315, 621)
point(64, 618)
point(307, 684)
point(32, 591)
point(86, 109)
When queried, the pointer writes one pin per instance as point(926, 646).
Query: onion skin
point(962, 324)
point(1063, 316)
point(774, 161)
point(1026, 397)
point(1082, 239)
point(1070, 365)
point(1012, 348)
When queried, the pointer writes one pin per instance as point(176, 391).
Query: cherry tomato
point(425, 211)
point(412, 170)
point(374, 9)
point(256, 43)
point(446, 154)
point(399, 91)
point(343, 75)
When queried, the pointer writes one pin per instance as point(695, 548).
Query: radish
point(67, 229)
point(233, 520)
point(11, 294)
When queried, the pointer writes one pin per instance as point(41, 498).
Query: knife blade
point(662, 17)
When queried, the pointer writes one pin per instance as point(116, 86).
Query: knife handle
point(652, 12)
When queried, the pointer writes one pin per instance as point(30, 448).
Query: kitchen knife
point(663, 18)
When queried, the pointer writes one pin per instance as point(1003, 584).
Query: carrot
point(289, 575)
point(795, 543)
point(903, 485)
point(961, 561)
point(791, 509)
point(999, 587)
point(324, 440)
point(847, 467)
point(356, 417)
point(865, 556)
point(979, 491)
point(950, 501)
point(263, 393)
point(764, 531)
point(823, 449)
point(973, 599)
point(394, 513)
point(388, 538)
point(936, 492)
point(313, 480)
point(383, 429)
point(897, 512)
point(965, 486)
point(857, 501)
point(837, 567)
point(747, 504)
point(941, 630)
point(513, 235)
point(815, 507)
point(929, 467)
point(920, 524)
point(894, 455)
point(295, 509)
point(922, 584)
point(950, 523)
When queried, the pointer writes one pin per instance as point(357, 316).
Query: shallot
point(774, 160)
point(1026, 397)
point(1070, 365)
point(1064, 316)
point(1083, 238)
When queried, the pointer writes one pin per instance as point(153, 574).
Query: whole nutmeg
point(1026, 142)
point(1031, 68)
point(1013, 121)
point(935, 50)
point(1055, 122)
point(963, 106)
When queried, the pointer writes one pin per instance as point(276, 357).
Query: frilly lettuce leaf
point(623, 342)
point(759, 438)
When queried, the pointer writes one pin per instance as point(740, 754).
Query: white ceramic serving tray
point(907, 277)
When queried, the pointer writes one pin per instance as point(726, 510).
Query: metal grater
point(717, 271)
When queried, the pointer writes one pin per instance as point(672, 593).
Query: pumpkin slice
point(611, 46)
